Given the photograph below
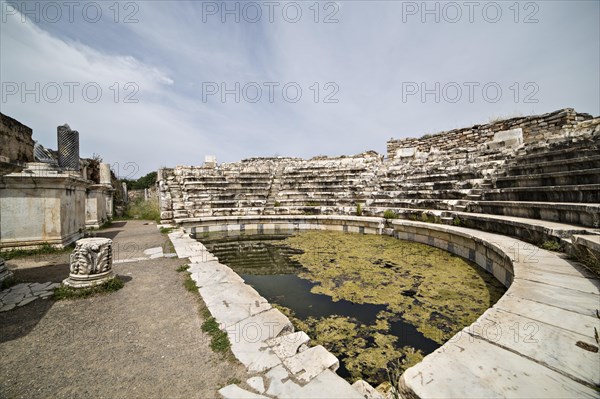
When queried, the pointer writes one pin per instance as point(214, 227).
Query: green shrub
point(142, 209)
point(389, 214)
point(427, 218)
point(551, 245)
point(456, 221)
point(359, 210)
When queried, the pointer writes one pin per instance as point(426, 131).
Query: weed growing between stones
point(166, 230)
point(551, 246)
point(183, 268)
point(219, 341)
point(389, 214)
point(190, 284)
point(66, 292)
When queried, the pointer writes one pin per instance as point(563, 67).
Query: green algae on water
point(433, 290)
point(365, 350)
point(437, 292)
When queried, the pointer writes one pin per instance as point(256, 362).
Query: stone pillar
point(109, 205)
point(145, 194)
point(125, 195)
point(68, 148)
point(105, 174)
point(91, 263)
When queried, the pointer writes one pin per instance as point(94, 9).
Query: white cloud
point(368, 54)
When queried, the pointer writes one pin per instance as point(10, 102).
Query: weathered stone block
point(90, 263)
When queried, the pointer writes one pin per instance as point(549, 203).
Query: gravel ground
point(142, 341)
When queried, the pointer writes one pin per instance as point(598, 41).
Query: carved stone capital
point(91, 263)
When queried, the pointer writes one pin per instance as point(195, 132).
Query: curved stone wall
point(537, 340)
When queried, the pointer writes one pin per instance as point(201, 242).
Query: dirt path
point(142, 341)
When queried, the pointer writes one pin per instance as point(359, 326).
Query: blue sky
point(368, 61)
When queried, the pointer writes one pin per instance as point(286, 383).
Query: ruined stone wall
point(535, 128)
point(16, 143)
point(54, 204)
point(442, 172)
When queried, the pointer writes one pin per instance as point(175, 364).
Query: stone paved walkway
point(24, 293)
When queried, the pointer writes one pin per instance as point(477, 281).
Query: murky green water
point(368, 299)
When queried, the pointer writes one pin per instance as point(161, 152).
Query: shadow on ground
point(19, 322)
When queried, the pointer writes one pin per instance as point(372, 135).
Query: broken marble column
point(105, 174)
point(68, 148)
point(125, 194)
point(91, 263)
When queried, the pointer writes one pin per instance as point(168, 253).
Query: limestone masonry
point(49, 197)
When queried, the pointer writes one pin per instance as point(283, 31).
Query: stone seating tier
point(589, 193)
point(560, 165)
point(567, 178)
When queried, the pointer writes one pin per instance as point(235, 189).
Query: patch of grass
point(166, 230)
point(65, 292)
point(44, 249)
point(456, 221)
point(219, 341)
point(233, 381)
point(168, 247)
point(311, 203)
point(277, 204)
point(142, 209)
point(427, 218)
point(190, 284)
point(182, 268)
point(551, 246)
point(389, 214)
